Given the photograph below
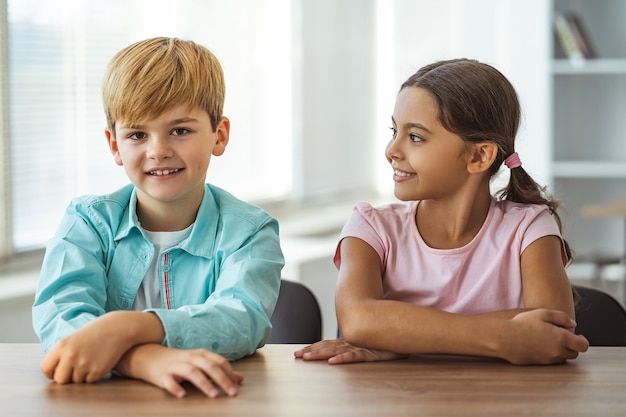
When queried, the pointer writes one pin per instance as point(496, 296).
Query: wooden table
point(276, 385)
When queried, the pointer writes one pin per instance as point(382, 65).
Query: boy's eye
point(137, 135)
point(179, 131)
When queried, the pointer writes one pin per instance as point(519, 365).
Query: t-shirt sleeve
point(544, 224)
point(362, 225)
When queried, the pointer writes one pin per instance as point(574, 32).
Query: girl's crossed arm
point(378, 329)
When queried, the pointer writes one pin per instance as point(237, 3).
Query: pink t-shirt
point(482, 276)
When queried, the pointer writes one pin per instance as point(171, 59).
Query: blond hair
point(148, 77)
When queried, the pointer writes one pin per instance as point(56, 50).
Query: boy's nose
point(159, 148)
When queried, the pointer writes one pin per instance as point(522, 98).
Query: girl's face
point(428, 161)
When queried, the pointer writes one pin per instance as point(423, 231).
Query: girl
point(455, 270)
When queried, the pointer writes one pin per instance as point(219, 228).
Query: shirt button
point(166, 268)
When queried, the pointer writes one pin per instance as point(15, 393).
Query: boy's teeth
point(164, 172)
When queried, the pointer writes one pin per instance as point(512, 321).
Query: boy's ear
point(113, 146)
point(482, 156)
point(222, 133)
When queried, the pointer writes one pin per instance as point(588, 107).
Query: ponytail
point(522, 188)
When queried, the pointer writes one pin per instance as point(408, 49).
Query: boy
point(168, 278)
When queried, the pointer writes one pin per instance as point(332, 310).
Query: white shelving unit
point(589, 128)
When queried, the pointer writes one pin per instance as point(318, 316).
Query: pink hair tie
point(513, 161)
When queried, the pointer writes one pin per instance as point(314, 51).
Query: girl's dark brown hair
point(478, 103)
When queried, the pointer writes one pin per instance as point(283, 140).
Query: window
point(57, 52)
point(310, 89)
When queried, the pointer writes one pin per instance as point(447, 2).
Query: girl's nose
point(391, 151)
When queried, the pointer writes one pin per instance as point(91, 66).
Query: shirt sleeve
point(235, 319)
point(543, 224)
point(71, 290)
point(362, 224)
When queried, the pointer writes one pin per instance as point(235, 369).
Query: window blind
point(57, 53)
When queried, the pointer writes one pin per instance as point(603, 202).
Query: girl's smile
point(401, 176)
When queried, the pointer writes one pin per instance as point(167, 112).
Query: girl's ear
point(481, 157)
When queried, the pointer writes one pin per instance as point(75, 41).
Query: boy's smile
point(167, 158)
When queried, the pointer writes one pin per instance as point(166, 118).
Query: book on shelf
point(573, 37)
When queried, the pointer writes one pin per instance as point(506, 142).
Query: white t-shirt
point(149, 293)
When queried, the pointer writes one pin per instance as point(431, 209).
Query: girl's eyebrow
point(410, 125)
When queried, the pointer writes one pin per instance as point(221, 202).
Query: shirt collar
point(200, 242)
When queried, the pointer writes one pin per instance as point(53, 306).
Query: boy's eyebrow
point(413, 125)
point(173, 122)
point(183, 120)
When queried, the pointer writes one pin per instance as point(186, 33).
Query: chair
point(600, 318)
point(297, 317)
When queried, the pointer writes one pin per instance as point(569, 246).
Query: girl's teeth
point(402, 174)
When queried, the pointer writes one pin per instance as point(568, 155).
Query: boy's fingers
point(63, 374)
point(203, 382)
point(173, 387)
point(79, 375)
point(224, 377)
point(49, 364)
point(238, 377)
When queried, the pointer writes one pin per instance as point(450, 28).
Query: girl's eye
point(394, 132)
point(180, 131)
point(415, 138)
point(137, 136)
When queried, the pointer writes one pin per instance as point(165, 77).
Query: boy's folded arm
point(235, 319)
point(72, 287)
point(231, 322)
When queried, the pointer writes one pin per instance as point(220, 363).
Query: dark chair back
point(600, 318)
point(297, 317)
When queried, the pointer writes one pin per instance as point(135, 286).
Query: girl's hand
point(167, 368)
point(339, 351)
point(542, 337)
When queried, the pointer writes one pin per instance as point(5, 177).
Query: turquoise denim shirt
point(219, 286)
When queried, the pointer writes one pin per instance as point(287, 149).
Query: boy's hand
point(339, 351)
point(167, 368)
point(91, 352)
point(542, 337)
point(86, 355)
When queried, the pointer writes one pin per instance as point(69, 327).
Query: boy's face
point(167, 158)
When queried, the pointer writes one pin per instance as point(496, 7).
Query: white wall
point(334, 97)
point(496, 32)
